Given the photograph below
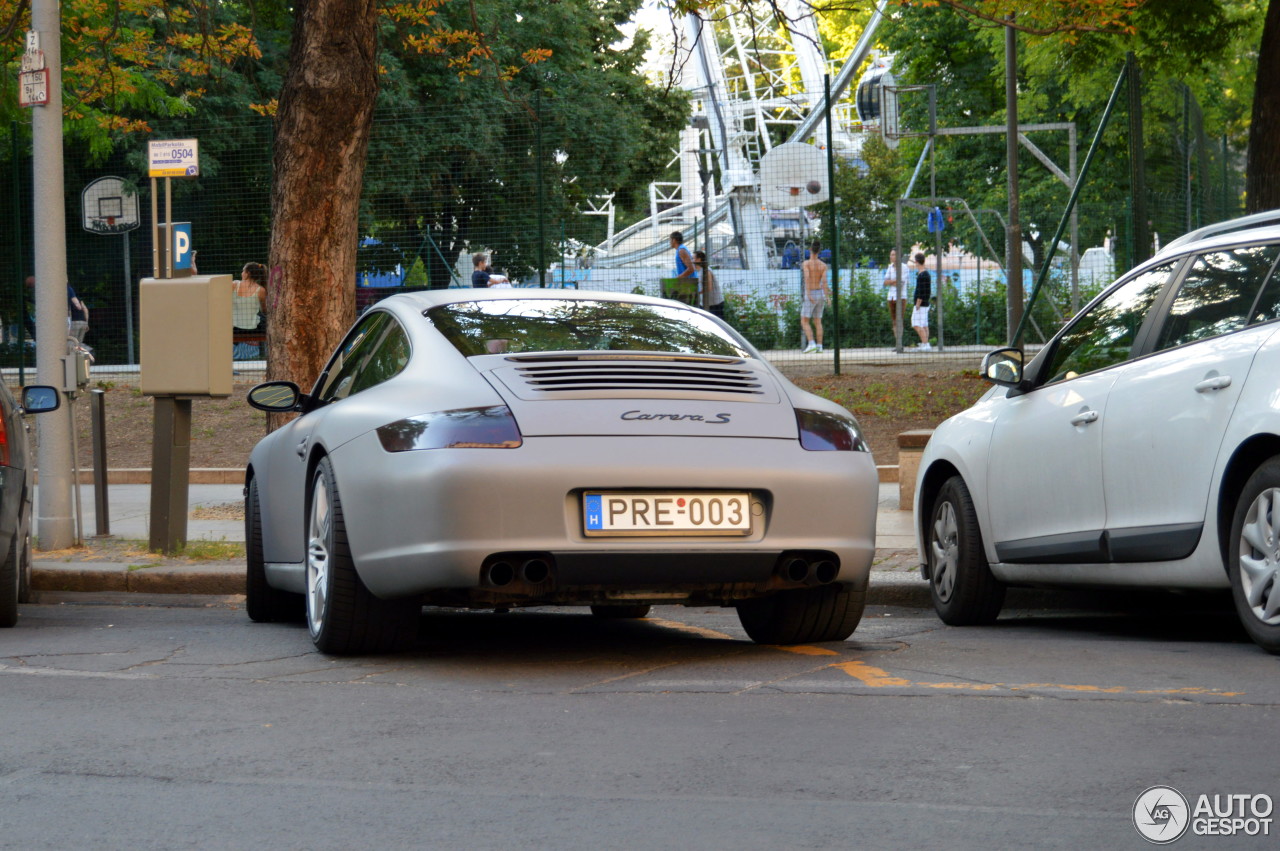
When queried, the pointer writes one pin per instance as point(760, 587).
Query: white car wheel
point(1254, 566)
point(944, 546)
point(960, 581)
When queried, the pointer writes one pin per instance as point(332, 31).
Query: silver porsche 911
point(502, 448)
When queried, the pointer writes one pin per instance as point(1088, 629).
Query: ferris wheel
point(757, 77)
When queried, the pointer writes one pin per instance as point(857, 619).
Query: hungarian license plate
point(666, 513)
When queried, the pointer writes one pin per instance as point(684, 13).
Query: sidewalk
point(216, 515)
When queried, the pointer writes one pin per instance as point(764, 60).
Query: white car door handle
point(1084, 418)
point(1218, 382)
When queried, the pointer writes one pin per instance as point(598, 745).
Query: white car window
point(1268, 308)
point(1104, 334)
point(1216, 295)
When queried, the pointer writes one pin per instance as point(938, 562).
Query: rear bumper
point(420, 522)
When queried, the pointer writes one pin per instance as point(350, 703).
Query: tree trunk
point(1262, 186)
point(321, 138)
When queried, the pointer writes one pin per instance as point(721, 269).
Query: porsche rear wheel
point(620, 612)
point(804, 616)
point(342, 614)
point(263, 603)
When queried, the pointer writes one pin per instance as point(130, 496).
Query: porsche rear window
point(559, 325)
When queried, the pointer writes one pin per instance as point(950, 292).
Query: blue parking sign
point(182, 245)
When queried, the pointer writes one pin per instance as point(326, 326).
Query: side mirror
point(1004, 367)
point(275, 397)
point(40, 398)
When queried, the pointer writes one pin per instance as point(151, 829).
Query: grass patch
point(211, 551)
point(926, 397)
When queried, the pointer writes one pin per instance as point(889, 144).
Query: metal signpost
point(171, 432)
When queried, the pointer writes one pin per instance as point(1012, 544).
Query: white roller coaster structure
point(758, 79)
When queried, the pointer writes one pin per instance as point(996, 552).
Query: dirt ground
point(886, 399)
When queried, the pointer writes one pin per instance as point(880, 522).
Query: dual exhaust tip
point(808, 568)
point(528, 569)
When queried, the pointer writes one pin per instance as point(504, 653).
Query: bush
point(754, 318)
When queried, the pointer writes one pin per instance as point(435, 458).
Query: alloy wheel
point(945, 548)
point(319, 545)
point(1260, 557)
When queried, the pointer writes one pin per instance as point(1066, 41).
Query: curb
point(142, 476)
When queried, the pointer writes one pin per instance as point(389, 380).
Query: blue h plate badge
point(594, 512)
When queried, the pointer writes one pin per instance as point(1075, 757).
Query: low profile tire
point(621, 612)
point(25, 594)
point(1253, 556)
point(804, 616)
point(263, 603)
point(24, 564)
point(964, 591)
point(10, 583)
point(342, 615)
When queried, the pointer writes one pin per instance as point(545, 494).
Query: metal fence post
point(98, 416)
point(835, 226)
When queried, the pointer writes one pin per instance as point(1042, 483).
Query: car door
point(1044, 476)
point(1169, 410)
point(285, 480)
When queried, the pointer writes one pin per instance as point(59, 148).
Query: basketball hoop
point(793, 175)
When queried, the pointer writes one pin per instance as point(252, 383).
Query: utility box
point(185, 334)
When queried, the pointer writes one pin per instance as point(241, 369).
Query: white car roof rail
point(1267, 217)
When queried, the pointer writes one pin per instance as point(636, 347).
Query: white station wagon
point(1140, 447)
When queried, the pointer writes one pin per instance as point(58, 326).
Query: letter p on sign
point(182, 245)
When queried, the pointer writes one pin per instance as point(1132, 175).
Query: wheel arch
point(1248, 456)
point(317, 454)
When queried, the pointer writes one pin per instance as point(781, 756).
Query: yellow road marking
point(695, 630)
point(877, 678)
point(873, 677)
point(806, 650)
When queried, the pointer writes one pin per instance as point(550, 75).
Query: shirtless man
point(816, 294)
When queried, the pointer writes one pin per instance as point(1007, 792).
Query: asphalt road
point(149, 727)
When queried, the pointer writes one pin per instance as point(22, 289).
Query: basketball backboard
point(109, 206)
point(793, 175)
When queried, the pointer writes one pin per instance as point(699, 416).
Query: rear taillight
point(822, 431)
point(4, 443)
point(466, 428)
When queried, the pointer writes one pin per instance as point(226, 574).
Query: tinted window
point(1104, 335)
point(388, 358)
point(337, 381)
point(557, 325)
point(1216, 295)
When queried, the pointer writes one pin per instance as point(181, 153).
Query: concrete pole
point(54, 524)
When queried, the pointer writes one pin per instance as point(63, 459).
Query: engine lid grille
point(613, 376)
